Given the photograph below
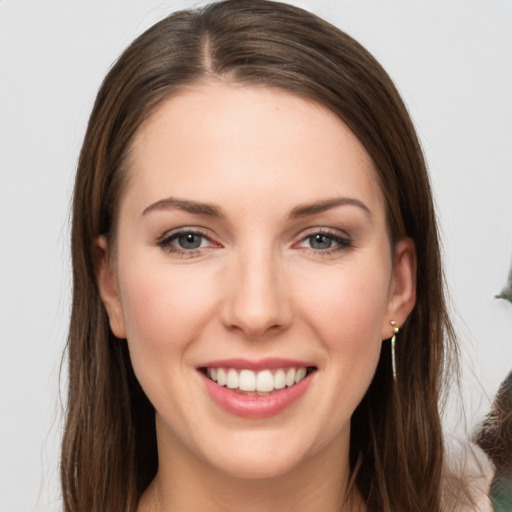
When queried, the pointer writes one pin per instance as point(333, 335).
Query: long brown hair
point(109, 451)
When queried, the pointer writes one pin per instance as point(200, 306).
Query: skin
point(257, 287)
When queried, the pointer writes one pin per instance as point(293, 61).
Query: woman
point(252, 217)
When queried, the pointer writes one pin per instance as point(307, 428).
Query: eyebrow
point(185, 205)
point(210, 210)
point(324, 205)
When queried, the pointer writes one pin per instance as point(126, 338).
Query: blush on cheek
point(348, 313)
point(348, 308)
point(163, 309)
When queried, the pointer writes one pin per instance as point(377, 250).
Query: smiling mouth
point(261, 383)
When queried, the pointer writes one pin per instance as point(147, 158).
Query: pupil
point(321, 242)
point(189, 241)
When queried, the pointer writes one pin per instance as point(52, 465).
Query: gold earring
point(393, 340)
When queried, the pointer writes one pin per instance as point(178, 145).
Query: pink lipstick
point(256, 389)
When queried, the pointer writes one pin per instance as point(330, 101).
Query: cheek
point(346, 309)
point(163, 310)
point(349, 301)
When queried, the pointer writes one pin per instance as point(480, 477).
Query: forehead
point(212, 141)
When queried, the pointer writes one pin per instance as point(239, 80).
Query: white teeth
point(221, 377)
point(232, 379)
point(247, 381)
point(262, 382)
point(279, 379)
point(301, 373)
point(265, 381)
point(290, 377)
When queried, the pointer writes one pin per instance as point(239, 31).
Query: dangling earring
point(393, 339)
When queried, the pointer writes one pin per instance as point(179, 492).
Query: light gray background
point(451, 60)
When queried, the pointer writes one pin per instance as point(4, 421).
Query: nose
point(256, 300)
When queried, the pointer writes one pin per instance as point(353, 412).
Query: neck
point(185, 482)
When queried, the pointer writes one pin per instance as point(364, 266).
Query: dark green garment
point(495, 438)
point(501, 494)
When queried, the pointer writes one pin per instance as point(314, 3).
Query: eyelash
point(166, 242)
point(341, 242)
point(167, 239)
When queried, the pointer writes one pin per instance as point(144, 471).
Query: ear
point(108, 287)
point(402, 289)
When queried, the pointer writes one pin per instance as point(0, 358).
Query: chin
point(256, 467)
point(260, 454)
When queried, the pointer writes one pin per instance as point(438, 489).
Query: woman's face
point(252, 249)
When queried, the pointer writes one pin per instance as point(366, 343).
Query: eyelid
point(165, 240)
point(341, 238)
point(183, 230)
point(323, 230)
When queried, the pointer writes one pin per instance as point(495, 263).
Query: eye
point(320, 241)
point(325, 242)
point(185, 242)
point(189, 240)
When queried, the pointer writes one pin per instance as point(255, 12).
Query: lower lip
point(247, 406)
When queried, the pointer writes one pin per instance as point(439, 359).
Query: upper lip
point(268, 363)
